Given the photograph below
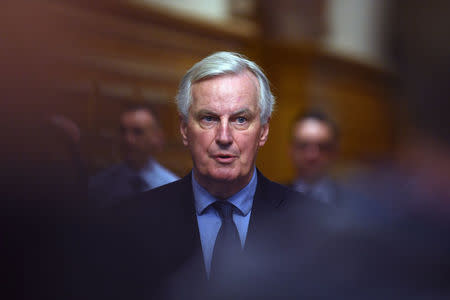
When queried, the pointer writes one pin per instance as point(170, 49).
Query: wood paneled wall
point(100, 56)
point(90, 59)
point(356, 96)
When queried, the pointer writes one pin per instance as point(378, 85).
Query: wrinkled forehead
point(227, 89)
point(240, 72)
point(312, 129)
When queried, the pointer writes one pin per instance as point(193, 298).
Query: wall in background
point(88, 60)
point(355, 29)
point(208, 9)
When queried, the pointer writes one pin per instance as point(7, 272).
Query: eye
point(138, 131)
point(207, 119)
point(241, 120)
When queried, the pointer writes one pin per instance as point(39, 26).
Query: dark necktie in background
point(227, 247)
point(137, 184)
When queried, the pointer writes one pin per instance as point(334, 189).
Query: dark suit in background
point(140, 137)
point(313, 150)
point(325, 190)
point(120, 182)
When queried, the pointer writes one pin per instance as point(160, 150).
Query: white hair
point(221, 63)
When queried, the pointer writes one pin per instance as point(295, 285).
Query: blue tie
point(228, 244)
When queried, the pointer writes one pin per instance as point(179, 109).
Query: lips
point(224, 158)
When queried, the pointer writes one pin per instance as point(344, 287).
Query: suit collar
point(266, 200)
point(242, 200)
point(187, 202)
point(263, 194)
point(263, 199)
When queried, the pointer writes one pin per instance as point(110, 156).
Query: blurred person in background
point(43, 201)
point(313, 150)
point(141, 136)
point(391, 241)
point(44, 183)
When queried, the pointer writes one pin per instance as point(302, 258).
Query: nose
point(128, 138)
point(312, 152)
point(224, 135)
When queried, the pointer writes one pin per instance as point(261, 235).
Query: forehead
point(312, 129)
point(226, 92)
point(137, 118)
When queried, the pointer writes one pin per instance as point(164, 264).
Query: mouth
point(224, 158)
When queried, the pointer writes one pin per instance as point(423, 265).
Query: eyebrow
point(239, 112)
point(205, 112)
point(244, 111)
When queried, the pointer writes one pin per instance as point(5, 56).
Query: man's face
point(224, 131)
point(139, 136)
point(312, 149)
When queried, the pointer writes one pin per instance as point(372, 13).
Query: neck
point(138, 165)
point(426, 159)
point(221, 189)
point(308, 180)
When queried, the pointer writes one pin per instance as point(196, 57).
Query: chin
point(223, 174)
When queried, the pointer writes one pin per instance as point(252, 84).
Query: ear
point(183, 130)
point(264, 134)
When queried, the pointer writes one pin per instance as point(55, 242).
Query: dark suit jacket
point(146, 241)
point(332, 188)
point(111, 186)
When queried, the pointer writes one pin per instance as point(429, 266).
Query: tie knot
point(224, 208)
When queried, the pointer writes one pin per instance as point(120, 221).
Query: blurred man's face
point(312, 149)
point(224, 131)
point(140, 135)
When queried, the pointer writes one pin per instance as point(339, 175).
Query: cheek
point(301, 156)
point(325, 158)
point(248, 145)
point(140, 143)
point(199, 141)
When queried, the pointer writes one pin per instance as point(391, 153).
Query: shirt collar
point(299, 182)
point(243, 200)
point(148, 168)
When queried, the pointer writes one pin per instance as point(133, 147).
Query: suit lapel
point(265, 202)
point(186, 201)
point(187, 204)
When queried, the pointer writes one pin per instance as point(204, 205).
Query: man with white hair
point(224, 206)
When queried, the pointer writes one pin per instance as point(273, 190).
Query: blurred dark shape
point(141, 136)
point(293, 20)
point(43, 200)
point(420, 53)
point(419, 50)
point(49, 167)
point(373, 248)
point(43, 185)
point(313, 150)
